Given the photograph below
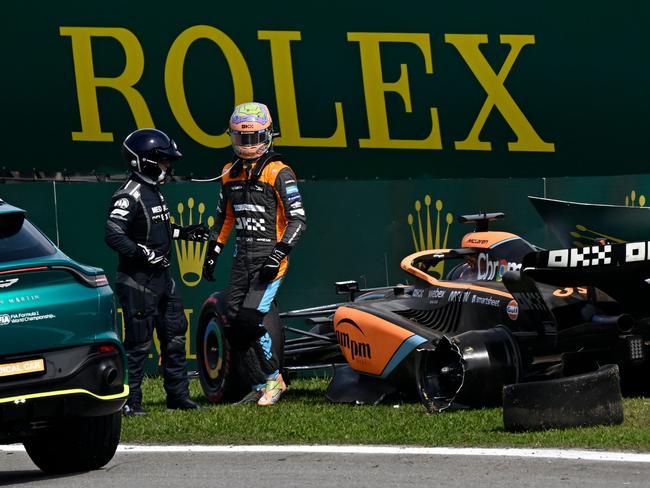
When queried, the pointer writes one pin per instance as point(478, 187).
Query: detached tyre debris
point(576, 401)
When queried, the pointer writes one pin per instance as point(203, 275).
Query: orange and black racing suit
point(264, 205)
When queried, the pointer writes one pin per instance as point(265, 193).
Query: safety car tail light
point(106, 348)
point(100, 280)
point(92, 281)
point(23, 270)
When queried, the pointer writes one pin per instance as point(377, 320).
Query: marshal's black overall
point(138, 217)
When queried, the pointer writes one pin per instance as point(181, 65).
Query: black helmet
point(143, 149)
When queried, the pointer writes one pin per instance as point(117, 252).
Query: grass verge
point(304, 416)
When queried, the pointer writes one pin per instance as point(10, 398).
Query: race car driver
point(139, 230)
point(260, 198)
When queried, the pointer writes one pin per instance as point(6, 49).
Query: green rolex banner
point(358, 90)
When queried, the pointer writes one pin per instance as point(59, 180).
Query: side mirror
point(343, 287)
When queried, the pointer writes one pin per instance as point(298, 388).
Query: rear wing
point(620, 270)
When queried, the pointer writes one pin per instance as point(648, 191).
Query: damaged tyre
point(575, 401)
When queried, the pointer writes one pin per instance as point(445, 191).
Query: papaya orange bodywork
point(485, 240)
point(369, 342)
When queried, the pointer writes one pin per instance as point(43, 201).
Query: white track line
point(629, 457)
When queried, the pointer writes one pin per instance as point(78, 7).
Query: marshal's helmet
point(251, 130)
point(144, 149)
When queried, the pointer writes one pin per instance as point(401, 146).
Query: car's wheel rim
point(213, 350)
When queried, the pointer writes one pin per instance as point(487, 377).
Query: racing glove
point(152, 257)
point(196, 232)
point(211, 255)
point(271, 266)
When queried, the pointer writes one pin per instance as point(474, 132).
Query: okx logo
point(190, 254)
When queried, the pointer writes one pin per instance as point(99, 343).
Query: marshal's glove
point(211, 255)
point(153, 258)
point(271, 266)
point(196, 232)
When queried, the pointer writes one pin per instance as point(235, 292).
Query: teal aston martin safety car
point(63, 377)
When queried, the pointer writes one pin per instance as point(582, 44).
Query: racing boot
point(251, 397)
point(272, 392)
point(134, 410)
point(182, 404)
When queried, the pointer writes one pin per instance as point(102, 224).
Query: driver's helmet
point(251, 130)
point(143, 149)
point(469, 269)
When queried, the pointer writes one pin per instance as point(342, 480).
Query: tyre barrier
point(575, 401)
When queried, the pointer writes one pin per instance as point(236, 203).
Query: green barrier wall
point(358, 89)
point(357, 230)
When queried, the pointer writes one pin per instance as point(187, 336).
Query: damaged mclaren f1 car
point(507, 313)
